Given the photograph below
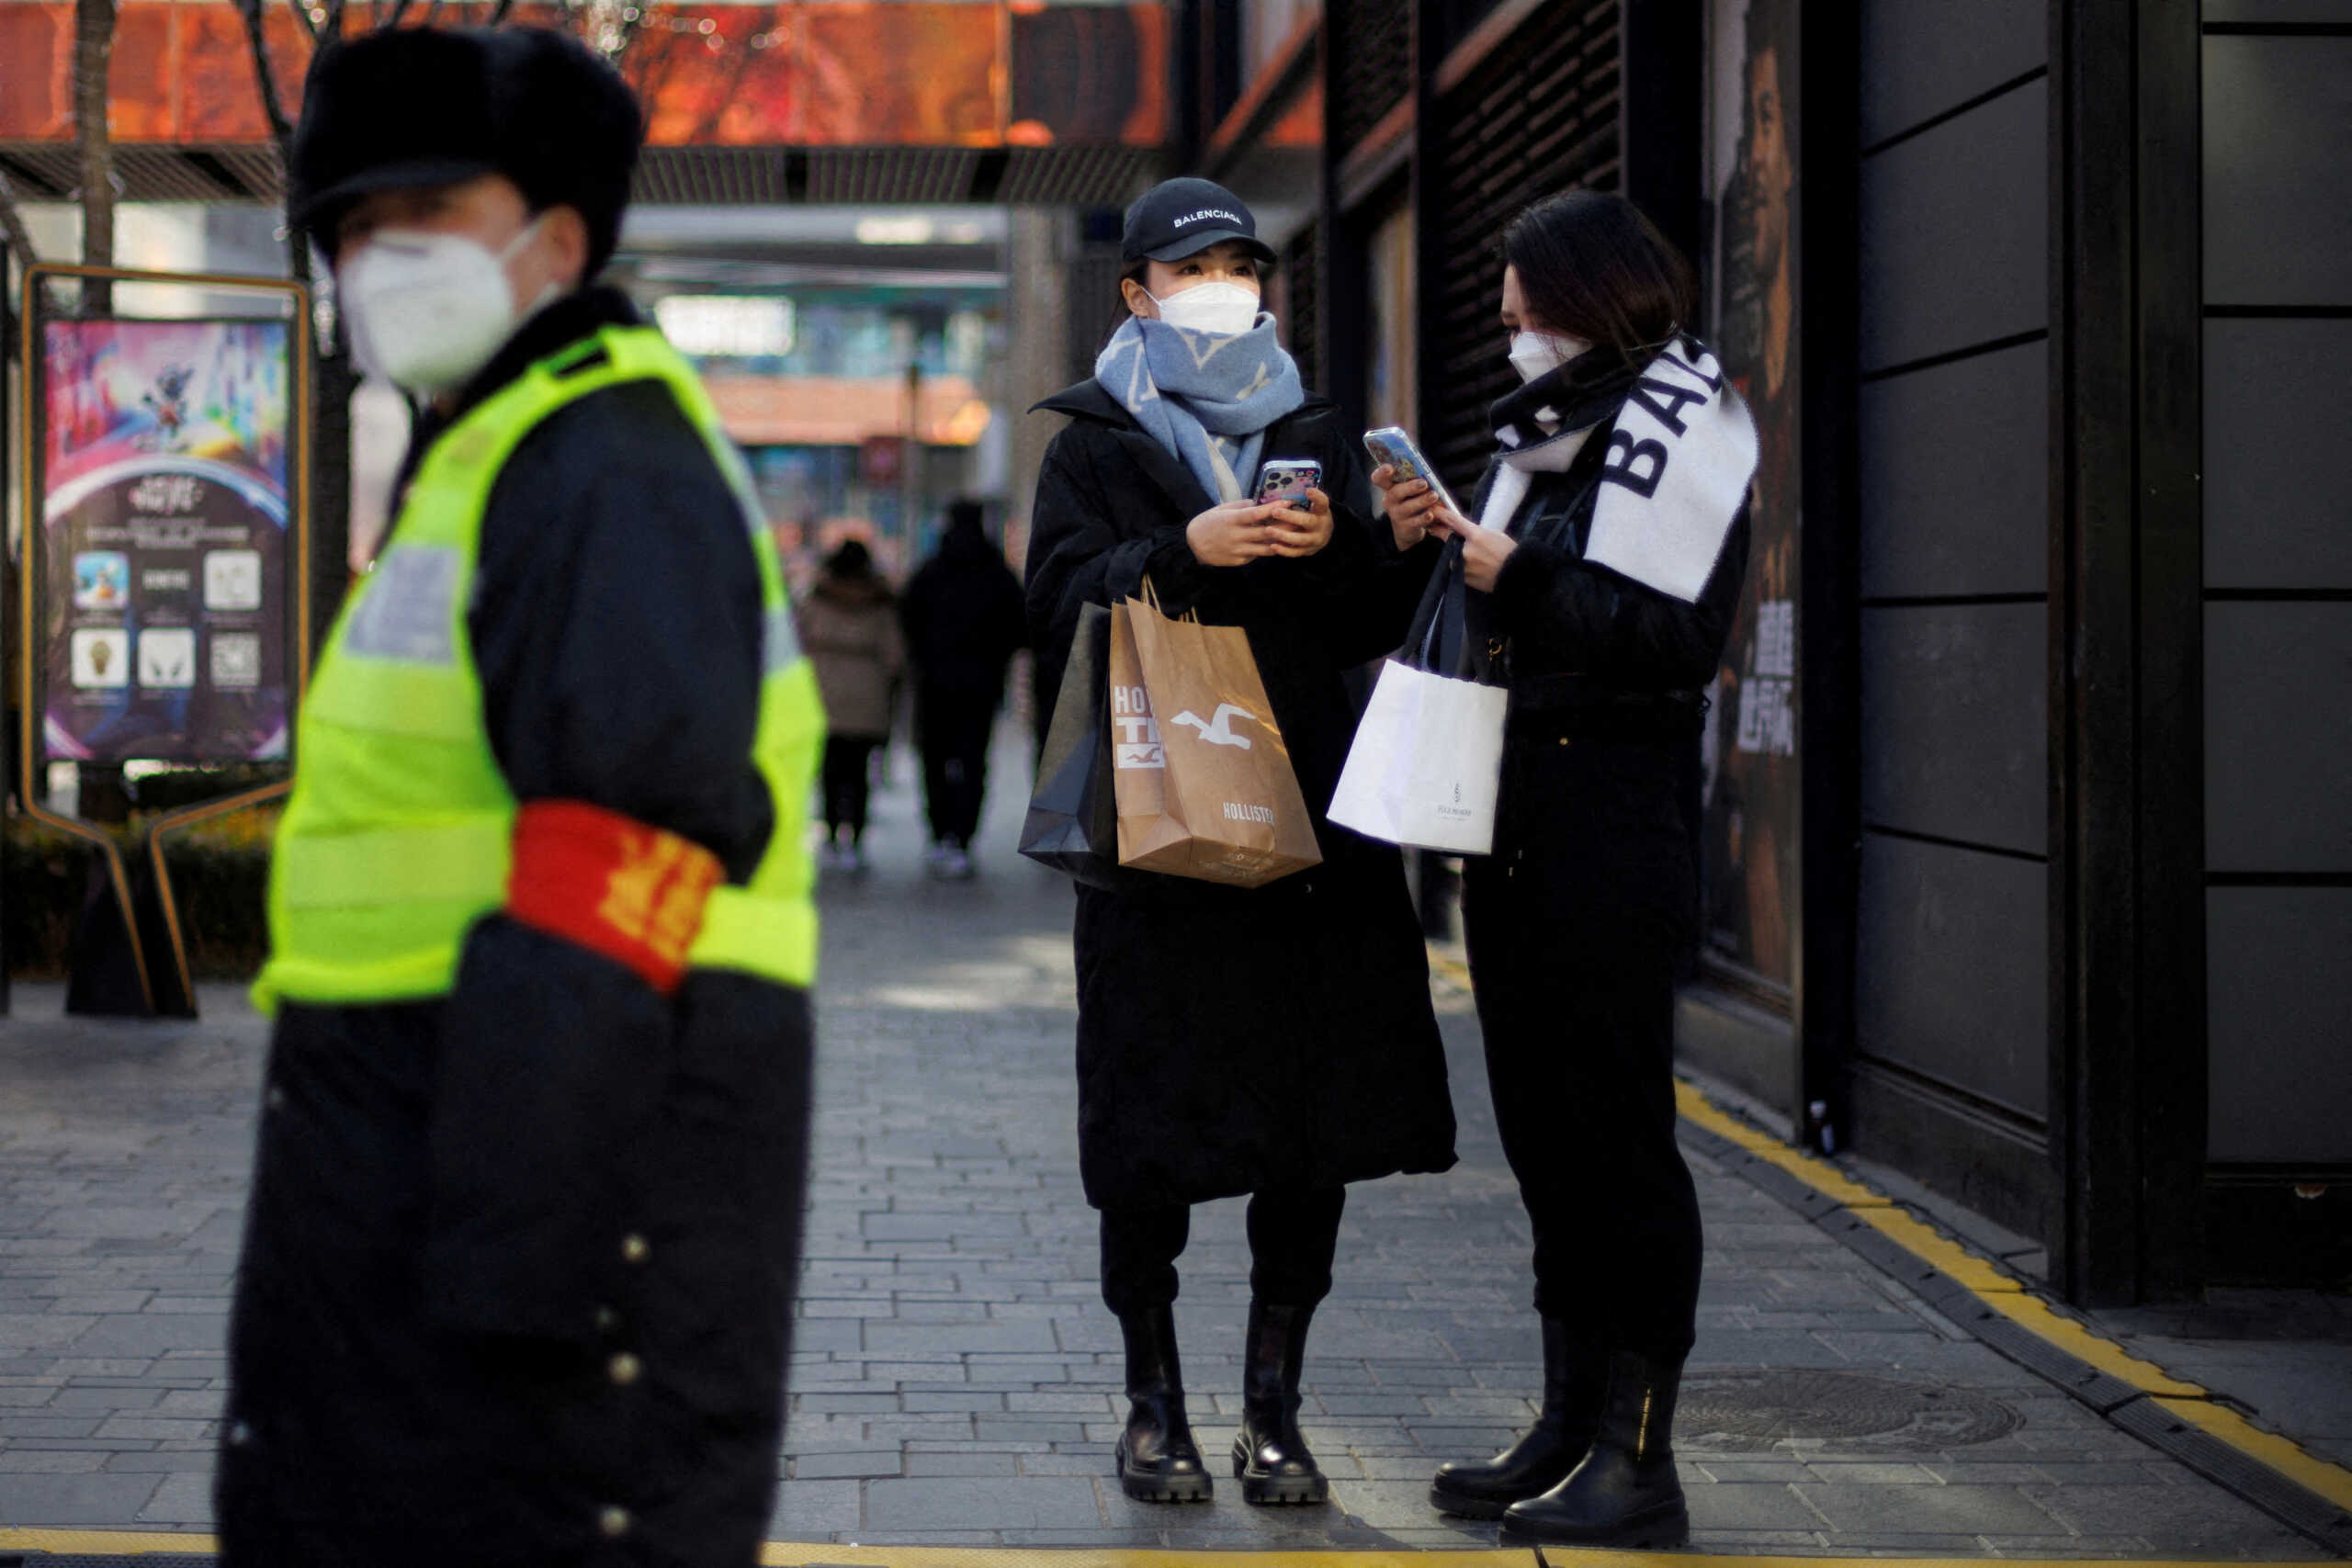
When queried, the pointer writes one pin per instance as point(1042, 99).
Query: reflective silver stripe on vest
point(780, 641)
point(406, 611)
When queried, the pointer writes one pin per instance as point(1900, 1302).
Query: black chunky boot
point(1158, 1460)
point(1576, 1377)
point(1269, 1455)
point(1625, 1493)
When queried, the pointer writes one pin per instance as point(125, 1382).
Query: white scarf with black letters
point(1682, 453)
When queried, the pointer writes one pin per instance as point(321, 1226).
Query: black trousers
point(847, 758)
point(1293, 1237)
point(1576, 926)
point(953, 728)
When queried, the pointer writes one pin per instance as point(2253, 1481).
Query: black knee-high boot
point(1625, 1493)
point(1576, 1377)
point(1269, 1454)
point(1158, 1460)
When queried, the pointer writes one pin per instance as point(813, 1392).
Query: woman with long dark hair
point(1276, 1042)
point(1598, 582)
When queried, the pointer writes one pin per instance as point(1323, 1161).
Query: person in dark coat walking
point(516, 1282)
point(1276, 1042)
point(1598, 583)
point(965, 620)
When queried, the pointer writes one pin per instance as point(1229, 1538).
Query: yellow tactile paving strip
point(817, 1554)
point(2002, 1293)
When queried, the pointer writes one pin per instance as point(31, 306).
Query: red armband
point(612, 885)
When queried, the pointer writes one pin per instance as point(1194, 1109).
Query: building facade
point(2028, 790)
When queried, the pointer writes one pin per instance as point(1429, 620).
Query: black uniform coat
point(1237, 1040)
point(517, 1271)
point(1578, 921)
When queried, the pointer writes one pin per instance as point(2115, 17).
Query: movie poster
point(1751, 751)
point(165, 546)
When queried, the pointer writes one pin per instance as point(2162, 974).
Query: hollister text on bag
point(1204, 781)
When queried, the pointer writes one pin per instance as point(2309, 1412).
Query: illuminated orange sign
point(845, 73)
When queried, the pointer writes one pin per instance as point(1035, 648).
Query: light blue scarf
point(1207, 398)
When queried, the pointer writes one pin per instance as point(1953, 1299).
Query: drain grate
point(1748, 1412)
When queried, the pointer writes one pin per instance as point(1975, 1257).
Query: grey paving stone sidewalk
point(955, 1378)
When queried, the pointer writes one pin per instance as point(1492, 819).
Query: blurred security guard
point(518, 1264)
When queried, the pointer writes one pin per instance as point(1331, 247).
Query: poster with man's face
point(1751, 778)
point(165, 553)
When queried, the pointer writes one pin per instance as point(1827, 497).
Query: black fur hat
point(435, 105)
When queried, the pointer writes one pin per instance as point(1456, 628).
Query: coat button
point(635, 1248)
point(625, 1369)
point(608, 1320)
point(613, 1520)
point(240, 1435)
point(274, 1100)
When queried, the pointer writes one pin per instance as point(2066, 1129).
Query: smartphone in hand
point(1289, 479)
point(1391, 447)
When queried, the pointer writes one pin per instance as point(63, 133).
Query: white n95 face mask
point(1222, 309)
point(1540, 354)
point(425, 311)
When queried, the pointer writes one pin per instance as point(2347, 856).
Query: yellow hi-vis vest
point(399, 834)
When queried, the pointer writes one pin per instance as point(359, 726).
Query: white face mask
point(1223, 309)
point(427, 311)
point(1540, 354)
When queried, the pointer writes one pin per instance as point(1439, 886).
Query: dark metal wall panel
point(2279, 992)
point(2278, 746)
point(2278, 200)
point(2276, 12)
point(1955, 710)
point(1955, 471)
point(1920, 60)
point(1955, 233)
point(2277, 463)
point(1953, 947)
point(1539, 115)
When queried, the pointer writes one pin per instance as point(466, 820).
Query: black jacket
point(437, 1271)
point(1579, 643)
point(1231, 1040)
point(963, 617)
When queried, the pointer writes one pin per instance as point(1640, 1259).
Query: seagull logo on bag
point(1218, 731)
point(1137, 733)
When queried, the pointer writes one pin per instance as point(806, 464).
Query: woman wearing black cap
point(1599, 584)
point(1278, 1042)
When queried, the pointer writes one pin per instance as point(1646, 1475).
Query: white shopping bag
point(1427, 761)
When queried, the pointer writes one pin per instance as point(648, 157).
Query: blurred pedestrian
point(517, 1284)
point(1276, 1042)
point(1598, 583)
point(964, 621)
point(849, 622)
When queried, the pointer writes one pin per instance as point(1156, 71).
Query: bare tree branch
point(302, 15)
point(433, 13)
point(94, 23)
point(400, 10)
point(498, 13)
point(273, 106)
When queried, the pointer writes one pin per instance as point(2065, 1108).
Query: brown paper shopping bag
point(1204, 781)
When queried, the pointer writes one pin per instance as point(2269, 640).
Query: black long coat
point(1234, 1040)
point(516, 1286)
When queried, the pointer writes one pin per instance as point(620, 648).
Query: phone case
point(1288, 479)
point(1393, 447)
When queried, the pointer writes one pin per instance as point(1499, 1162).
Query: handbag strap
point(1150, 596)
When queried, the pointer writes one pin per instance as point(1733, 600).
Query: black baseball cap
point(1176, 219)
point(409, 107)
